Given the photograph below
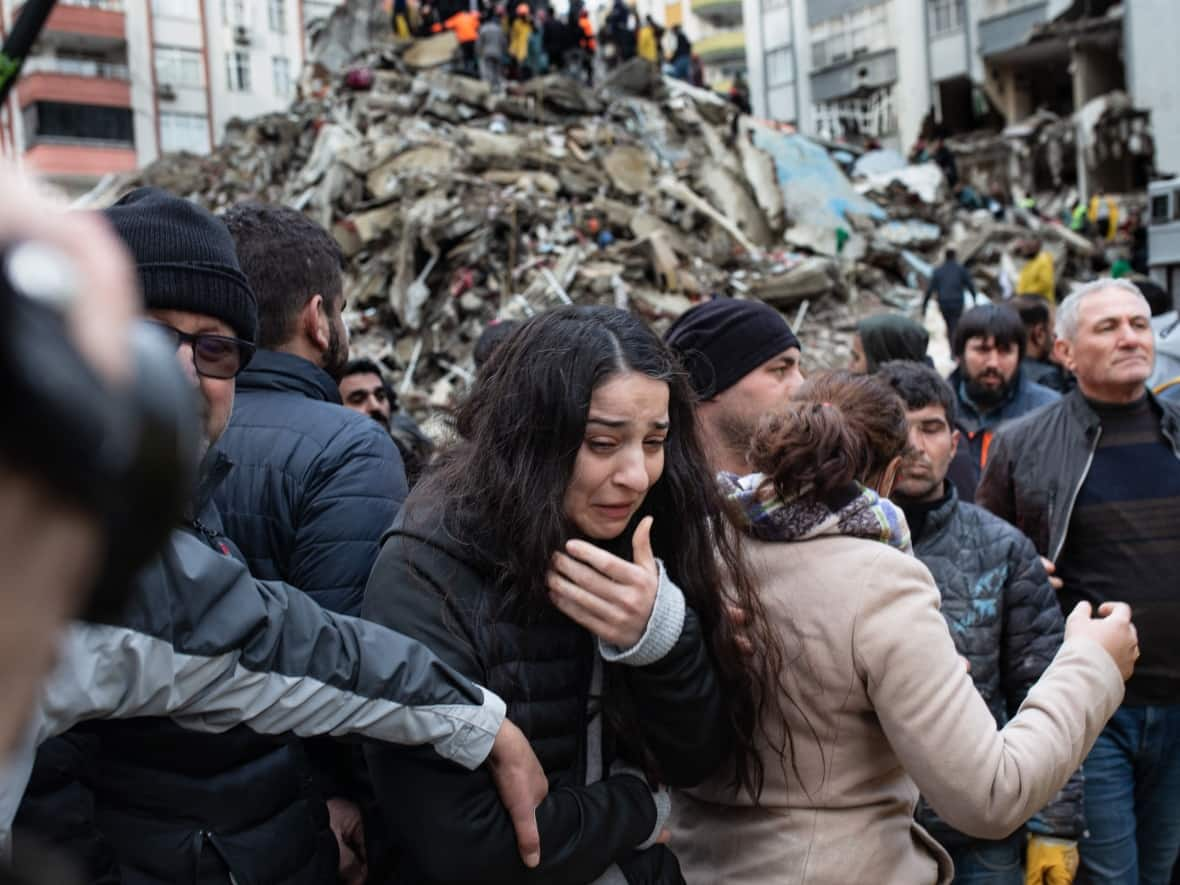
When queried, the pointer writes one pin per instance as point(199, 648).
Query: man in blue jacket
point(990, 385)
point(314, 484)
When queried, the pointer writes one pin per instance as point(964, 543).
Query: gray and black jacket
point(205, 644)
point(1037, 464)
point(1004, 618)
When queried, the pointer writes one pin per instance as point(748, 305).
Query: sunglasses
point(214, 356)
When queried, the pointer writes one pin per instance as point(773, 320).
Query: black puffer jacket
point(1004, 618)
point(146, 802)
point(314, 484)
point(435, 588)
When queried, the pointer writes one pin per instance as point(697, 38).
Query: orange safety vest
point(465, 25)
point(587, 32)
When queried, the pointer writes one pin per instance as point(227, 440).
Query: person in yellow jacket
point(1103, 215)
point(518, 39)
point(647, 44)
point(1036, 277)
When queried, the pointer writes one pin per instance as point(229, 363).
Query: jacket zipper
point(1073, 499)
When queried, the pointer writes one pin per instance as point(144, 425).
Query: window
point(945, 16)
point(276, 14)
point(237, 69)
point(780, 67)
point(844, 37)
point(184, 132)
point(233, 12)
point(53, 120)
point(178, 67)
point(281, 69)
point(175, 9)
point(1176, 205)
point(1159, 209)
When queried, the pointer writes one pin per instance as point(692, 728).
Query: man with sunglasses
point(205, 643)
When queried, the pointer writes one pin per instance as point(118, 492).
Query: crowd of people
point(661, 609)
point(499, 43)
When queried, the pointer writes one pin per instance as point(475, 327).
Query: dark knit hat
point(723, 340)
point(185, 258)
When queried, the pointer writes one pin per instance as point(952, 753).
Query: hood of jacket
point(273, 370)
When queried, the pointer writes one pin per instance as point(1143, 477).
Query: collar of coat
point(274, 370)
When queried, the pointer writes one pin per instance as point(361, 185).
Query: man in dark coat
point(949, 280)
point(1001, 611)
point(314, 484)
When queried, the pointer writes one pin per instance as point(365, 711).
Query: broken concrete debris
point(456, 205)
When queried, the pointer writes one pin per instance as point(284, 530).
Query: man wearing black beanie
point(743, 362)
point(138, 797)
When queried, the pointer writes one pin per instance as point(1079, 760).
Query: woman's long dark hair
point(521, 430)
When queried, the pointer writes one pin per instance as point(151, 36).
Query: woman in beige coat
point(876, 704)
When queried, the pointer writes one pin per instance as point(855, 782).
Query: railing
point(76, 67)
point(872, 117)
point(104, 5)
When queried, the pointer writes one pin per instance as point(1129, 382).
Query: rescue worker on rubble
point(1103, 215)
point(681, 61)
point(587, 43)
point(1094, 481)
point(990, 386)
point(529, 554)
point(879, 706)
point(519, 33)
point(1004, 619)
point(1037, 275)
point(647, 42)
point(492, 48)
point(465, 24)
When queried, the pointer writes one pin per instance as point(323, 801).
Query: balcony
point(725, 13)
point(102, 20)
point(1009, 25)
point(75, 81)
point(862, 73)
point(722, 47)
point(79, 160)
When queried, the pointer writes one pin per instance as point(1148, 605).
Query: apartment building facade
point(878, 68)
point(113, 84)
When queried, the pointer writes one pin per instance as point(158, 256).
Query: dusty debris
point(455, 205)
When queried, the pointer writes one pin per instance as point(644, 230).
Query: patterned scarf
point(770, 518)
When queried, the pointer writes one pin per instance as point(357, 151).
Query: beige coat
point(884, 709)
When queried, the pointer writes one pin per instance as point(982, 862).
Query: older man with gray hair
point(1094, 480)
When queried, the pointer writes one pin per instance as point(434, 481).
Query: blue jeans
point(991, 863)
point(1133, 799)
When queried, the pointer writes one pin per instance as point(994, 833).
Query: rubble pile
point(456, 205)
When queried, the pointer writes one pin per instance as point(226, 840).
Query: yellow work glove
point(1050, 861)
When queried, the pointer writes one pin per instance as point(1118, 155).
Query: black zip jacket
point(433, 587)
point(1004, 618)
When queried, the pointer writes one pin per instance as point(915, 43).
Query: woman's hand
point(1113, 631)
point(610, 597)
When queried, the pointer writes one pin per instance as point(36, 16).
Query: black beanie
point(185, 258)
point(723, 340)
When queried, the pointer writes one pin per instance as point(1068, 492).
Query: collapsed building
point(456, 205)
